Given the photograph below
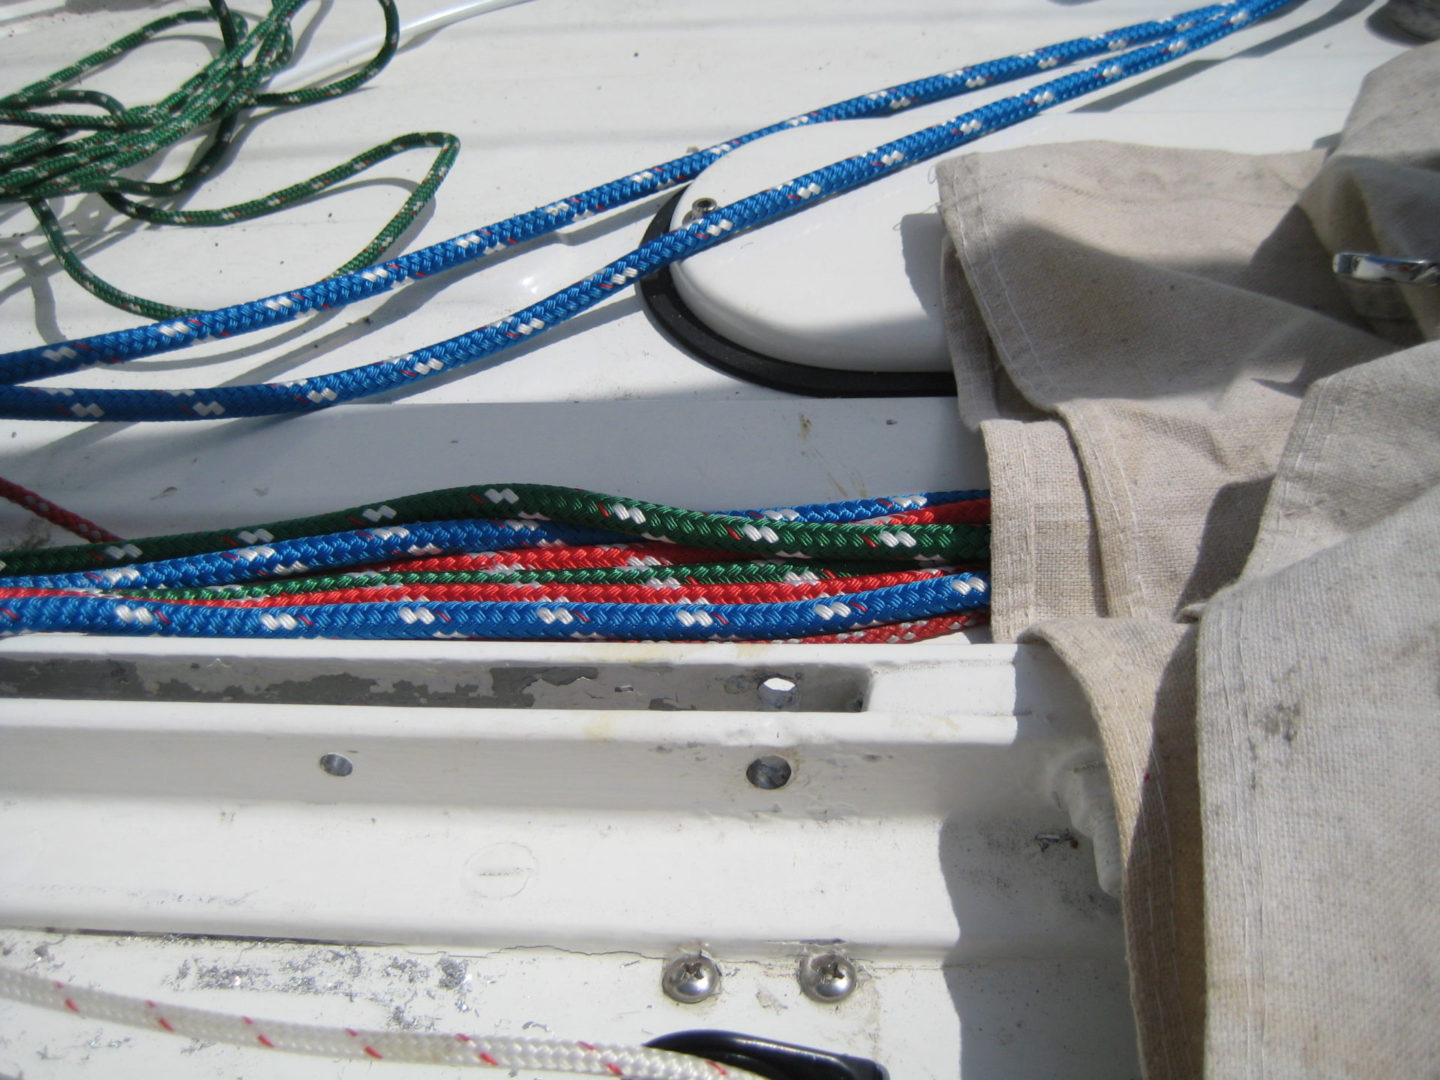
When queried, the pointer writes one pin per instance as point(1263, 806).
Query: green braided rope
point(717, 532)
point(57, 159)
point(35, 90)
point(371, 253)
point(687, 573)
point(129, 136)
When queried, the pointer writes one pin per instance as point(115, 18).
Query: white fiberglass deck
point(529, 831)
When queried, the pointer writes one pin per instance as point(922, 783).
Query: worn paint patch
point(430, 683)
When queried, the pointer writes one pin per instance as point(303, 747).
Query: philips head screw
point(828, 978)
point(691, 979)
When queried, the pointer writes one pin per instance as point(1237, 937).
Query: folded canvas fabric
point(1319, 706)
point(1216, 496)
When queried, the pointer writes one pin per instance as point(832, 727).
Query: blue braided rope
point(282, 558)
point(501, 534)
point(322, 391)
point(502, 619)
point(850, 511)
point(130, 344)
point(287, 558)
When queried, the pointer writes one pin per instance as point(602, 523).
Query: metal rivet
point(337, 764)
point(769, 772)
point(698, 209)
point(827, 978)
point(691, 979)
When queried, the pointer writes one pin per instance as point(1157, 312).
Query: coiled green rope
point(75, 153)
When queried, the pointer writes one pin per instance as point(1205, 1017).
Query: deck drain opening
point(337, 764)
point(776, 692)
point(769, 772)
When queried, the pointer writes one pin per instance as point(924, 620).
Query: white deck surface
point(549, 97)
point(987, 952)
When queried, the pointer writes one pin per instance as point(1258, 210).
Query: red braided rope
point(653, 554)
point(968, 512)
point(898, 633)
point(583, 557)
point(44, 508)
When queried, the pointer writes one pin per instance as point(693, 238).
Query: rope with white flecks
point(1171, 39)
point(438, 258)
point(507, 620)
point(71, 153)
point(820, 572)
point(614, 1062)
point(43, 508)
point(537, 503)
point(521, 515)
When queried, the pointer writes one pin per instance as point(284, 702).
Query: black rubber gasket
point(680, 325)
point(770, 1059)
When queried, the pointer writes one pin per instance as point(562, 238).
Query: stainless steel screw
point(769, 772)
point(699, 208)
point(827, 978)
point(691, 979)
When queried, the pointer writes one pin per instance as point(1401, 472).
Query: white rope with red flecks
point(412, 1047)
